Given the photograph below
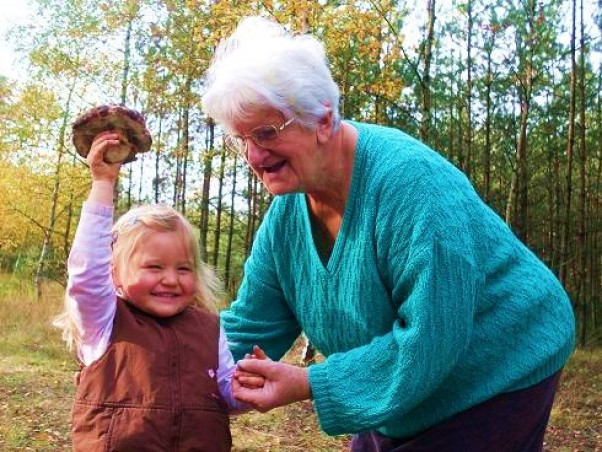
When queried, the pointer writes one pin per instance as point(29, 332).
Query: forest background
point(509, 90)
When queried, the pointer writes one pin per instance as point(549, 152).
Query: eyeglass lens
point(259, 135)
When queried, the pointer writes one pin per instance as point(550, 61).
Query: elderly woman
point(440, 329)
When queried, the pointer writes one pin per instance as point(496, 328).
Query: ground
point(36, 390)
point(35, 398)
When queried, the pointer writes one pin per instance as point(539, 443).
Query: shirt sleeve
point(90, 291)
point(225, 373)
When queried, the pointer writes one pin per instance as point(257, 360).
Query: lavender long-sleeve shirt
point(92, 296)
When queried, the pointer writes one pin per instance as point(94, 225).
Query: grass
point(36, 390)
point(576, 419)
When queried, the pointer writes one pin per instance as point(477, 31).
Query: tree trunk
point(178, 161)
point(552, 186)
point(49, 231)
point(124, 86)
point(207, 169)
point(582, 238)
point(186, 144)
point(468, 142)
point(566, 230)
point(517, 212)
point(252, 186)
point(157, 180)
point(426, 76)
point(181, 201)
point(218, 207)
point(595, 253)
point(228, 264)
point(488, 114)
point(522, 184)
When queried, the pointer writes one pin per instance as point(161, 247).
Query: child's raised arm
point(90, 303)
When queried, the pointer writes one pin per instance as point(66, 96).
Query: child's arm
point(91, 295)
point(225, 375)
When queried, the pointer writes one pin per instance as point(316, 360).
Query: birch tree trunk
point(49, 231)
point(124, 86)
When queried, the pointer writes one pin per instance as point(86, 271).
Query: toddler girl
point(156, 369)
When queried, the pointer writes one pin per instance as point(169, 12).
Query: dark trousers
point(511, 422)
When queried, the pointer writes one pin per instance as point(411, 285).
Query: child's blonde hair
point(129, 232)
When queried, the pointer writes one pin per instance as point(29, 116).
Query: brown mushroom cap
point(130, 125)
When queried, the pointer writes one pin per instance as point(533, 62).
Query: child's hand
point(249, 380)
point(258, 353)
point(104, 175)
point(99, 168)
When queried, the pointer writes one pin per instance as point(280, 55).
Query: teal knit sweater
point(428, 305)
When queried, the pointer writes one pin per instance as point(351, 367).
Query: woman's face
point(290, 163)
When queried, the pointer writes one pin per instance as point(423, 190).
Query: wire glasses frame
point(261, 136)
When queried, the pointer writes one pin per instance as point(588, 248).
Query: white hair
point(261, 65)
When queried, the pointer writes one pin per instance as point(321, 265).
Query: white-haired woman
point(440, 329)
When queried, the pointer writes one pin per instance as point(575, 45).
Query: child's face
point(161, 278)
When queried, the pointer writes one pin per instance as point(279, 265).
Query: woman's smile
point(275, 168)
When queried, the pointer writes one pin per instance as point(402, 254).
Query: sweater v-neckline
point(329, 267)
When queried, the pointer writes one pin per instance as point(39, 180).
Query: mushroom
point(129, 124)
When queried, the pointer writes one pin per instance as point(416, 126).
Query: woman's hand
point(284, 384)
point(104, 175)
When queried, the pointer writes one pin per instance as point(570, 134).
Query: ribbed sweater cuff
point(324, 404)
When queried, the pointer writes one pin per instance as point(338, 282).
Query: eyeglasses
point(260, 135)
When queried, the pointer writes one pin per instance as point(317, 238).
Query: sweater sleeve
point(260, 314)
point(90, 291)
point(427, 264)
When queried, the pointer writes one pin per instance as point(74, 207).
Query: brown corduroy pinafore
point(155, 389)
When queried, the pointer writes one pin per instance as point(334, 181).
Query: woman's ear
point(324, 128)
